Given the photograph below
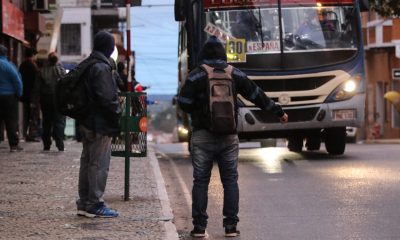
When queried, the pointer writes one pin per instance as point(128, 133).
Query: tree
point(386, 8)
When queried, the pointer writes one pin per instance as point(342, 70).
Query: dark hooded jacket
point(193, 94)
point(105, 110)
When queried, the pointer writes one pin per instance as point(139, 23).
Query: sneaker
point(81, 213)
point(231, 232)
point(16, 149)
point(198, 233)
point(102, 212)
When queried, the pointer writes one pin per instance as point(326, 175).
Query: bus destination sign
point(212, 4)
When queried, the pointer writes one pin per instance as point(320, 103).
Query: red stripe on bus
point(211, 4)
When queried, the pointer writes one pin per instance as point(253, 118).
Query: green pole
point(127, 146)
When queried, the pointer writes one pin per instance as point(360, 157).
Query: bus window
point(329, 32)
point(318, 28)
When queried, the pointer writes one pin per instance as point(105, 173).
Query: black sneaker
point(231, 232)
point(16, 149)
point(198, 233)
point(31, 139)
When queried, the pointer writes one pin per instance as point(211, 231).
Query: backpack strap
point(87, 63)
point(217, 73)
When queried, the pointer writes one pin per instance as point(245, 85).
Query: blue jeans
point(207, 147)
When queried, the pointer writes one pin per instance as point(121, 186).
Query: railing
point(108, 3)
point(76, 3)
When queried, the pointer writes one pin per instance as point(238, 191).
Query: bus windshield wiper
point(258, 23)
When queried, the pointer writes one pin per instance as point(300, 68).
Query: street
point(285, 195)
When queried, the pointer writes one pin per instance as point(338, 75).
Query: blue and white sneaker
point(81, 213)
point(102, 212)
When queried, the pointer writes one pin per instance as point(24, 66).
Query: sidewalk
point(38, 192)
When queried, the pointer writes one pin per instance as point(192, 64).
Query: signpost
point(396, 73)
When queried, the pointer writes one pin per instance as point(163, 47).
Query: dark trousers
point(31, 121)
point(27, 116)
point(94, 166)
point(53, 124)
point(207, 147)
point(9, 114)
point(1, 131)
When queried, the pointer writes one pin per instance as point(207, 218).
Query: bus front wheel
point(335, 140)
point(313, 141)
point(295, 144)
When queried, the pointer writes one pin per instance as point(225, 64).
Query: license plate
point(344, 114)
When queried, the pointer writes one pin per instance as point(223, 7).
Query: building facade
point(382, 60)
point(22, 24)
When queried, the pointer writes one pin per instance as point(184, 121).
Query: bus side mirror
point(179, 10)
point(364, 5)
point(174, 101)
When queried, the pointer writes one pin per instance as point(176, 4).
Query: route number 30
point(236, 50)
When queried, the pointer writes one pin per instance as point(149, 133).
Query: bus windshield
point(307, 31)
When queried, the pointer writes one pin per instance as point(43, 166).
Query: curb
point(382, 141)
point(166, 211)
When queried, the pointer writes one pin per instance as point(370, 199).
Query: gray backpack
point(221, 107)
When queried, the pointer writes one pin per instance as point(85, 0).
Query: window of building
point(71, 39)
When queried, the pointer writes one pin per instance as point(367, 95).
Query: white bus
point(307, 55)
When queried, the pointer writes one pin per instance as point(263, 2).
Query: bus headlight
point(345, 91)
point(350, 86)
point(183, 130)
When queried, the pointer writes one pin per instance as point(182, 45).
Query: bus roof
point(215, 4)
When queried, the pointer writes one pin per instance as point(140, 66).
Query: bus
point(306, 55)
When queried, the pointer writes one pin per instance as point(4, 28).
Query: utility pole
point(128, 43)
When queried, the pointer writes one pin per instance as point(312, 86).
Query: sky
point(154, 39)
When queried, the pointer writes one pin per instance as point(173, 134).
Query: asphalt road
point(286, 195)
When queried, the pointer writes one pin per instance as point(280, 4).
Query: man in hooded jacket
point(207, 146)
point(97, 129)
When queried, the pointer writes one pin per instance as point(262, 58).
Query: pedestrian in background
point(44, 93)
point(119, 80)
point(10, 92)
point(121, 70)
point(208, 146)
point(29, 71)
point(97, 129)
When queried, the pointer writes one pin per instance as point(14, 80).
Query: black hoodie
point(102, 89)
point(104, 42)
point(193, 94)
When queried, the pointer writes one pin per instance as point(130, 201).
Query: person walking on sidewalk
point(29, 71)
point(208, 146)
point(97, 129)
point(10, 92)
point(44, 92)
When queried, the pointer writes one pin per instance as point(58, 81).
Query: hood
point(213, 50)
point(104, 42)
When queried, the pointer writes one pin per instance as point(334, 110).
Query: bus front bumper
point(256, 123)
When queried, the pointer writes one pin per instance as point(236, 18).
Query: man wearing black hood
point(207, 146)
point(97, 129)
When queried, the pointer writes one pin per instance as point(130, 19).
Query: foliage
point(386, 8)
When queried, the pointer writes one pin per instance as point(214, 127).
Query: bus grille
point(293, 84)
point(295, 115)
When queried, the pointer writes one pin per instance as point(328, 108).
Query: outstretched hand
point(284, 118)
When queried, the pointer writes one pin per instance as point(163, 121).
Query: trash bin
point(132, 141)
